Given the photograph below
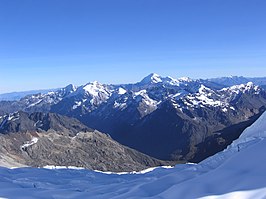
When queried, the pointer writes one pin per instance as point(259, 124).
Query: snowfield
point(237, 172)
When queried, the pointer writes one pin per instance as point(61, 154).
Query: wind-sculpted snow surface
point(237, 172)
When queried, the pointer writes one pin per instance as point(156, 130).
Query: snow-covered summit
point(185, 79)
point(94, 88)
point(204, 89)
point(250, 86)
point(70, 88)
point(152, 78)
point(94, 92)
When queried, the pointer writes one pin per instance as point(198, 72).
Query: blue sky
point(51, 43)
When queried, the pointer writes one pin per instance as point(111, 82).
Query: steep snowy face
point(94, 88)
point(98, 92)
point(171, 81)
point(185, 79)
point(146, 105)
point(153, 78)
point(89, 96)
point(224, 98)
point(256, 131)
point(136, 101)
point(83, 99)
point(180, 82)
point(121, 91)
point(204, 97)
point(243, 88)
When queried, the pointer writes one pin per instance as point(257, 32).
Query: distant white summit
point(154, 78)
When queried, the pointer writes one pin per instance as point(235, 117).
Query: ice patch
point(141, 92)
point(121, 106)
point(121, 91)
point(135, 172)
point(185, 79)
point(77, 104)
point(33, 141)
point(224, 109)
point(63, 167)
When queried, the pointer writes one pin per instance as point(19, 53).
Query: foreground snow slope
point(237, 172)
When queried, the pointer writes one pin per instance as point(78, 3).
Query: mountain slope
point(40, 139)
point(237, 172)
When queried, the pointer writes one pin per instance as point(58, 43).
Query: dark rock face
point(169, 134)
point(40, 139)
point(25, 122)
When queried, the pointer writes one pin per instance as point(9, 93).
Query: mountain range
point(166, 118)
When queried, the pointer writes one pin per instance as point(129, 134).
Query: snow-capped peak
point(97, 91)
point(250, 84)
point(152, 78)
point(185, 79)
point(204, 89)
point(141, 93)
point(243, 88)
point(171, 81)
point(94, 88)
point(70, 88)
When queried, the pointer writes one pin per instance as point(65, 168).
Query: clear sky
point(51, 43)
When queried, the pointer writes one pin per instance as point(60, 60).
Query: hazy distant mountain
point(234, 80)
point(167, 118)
point(18, 95)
